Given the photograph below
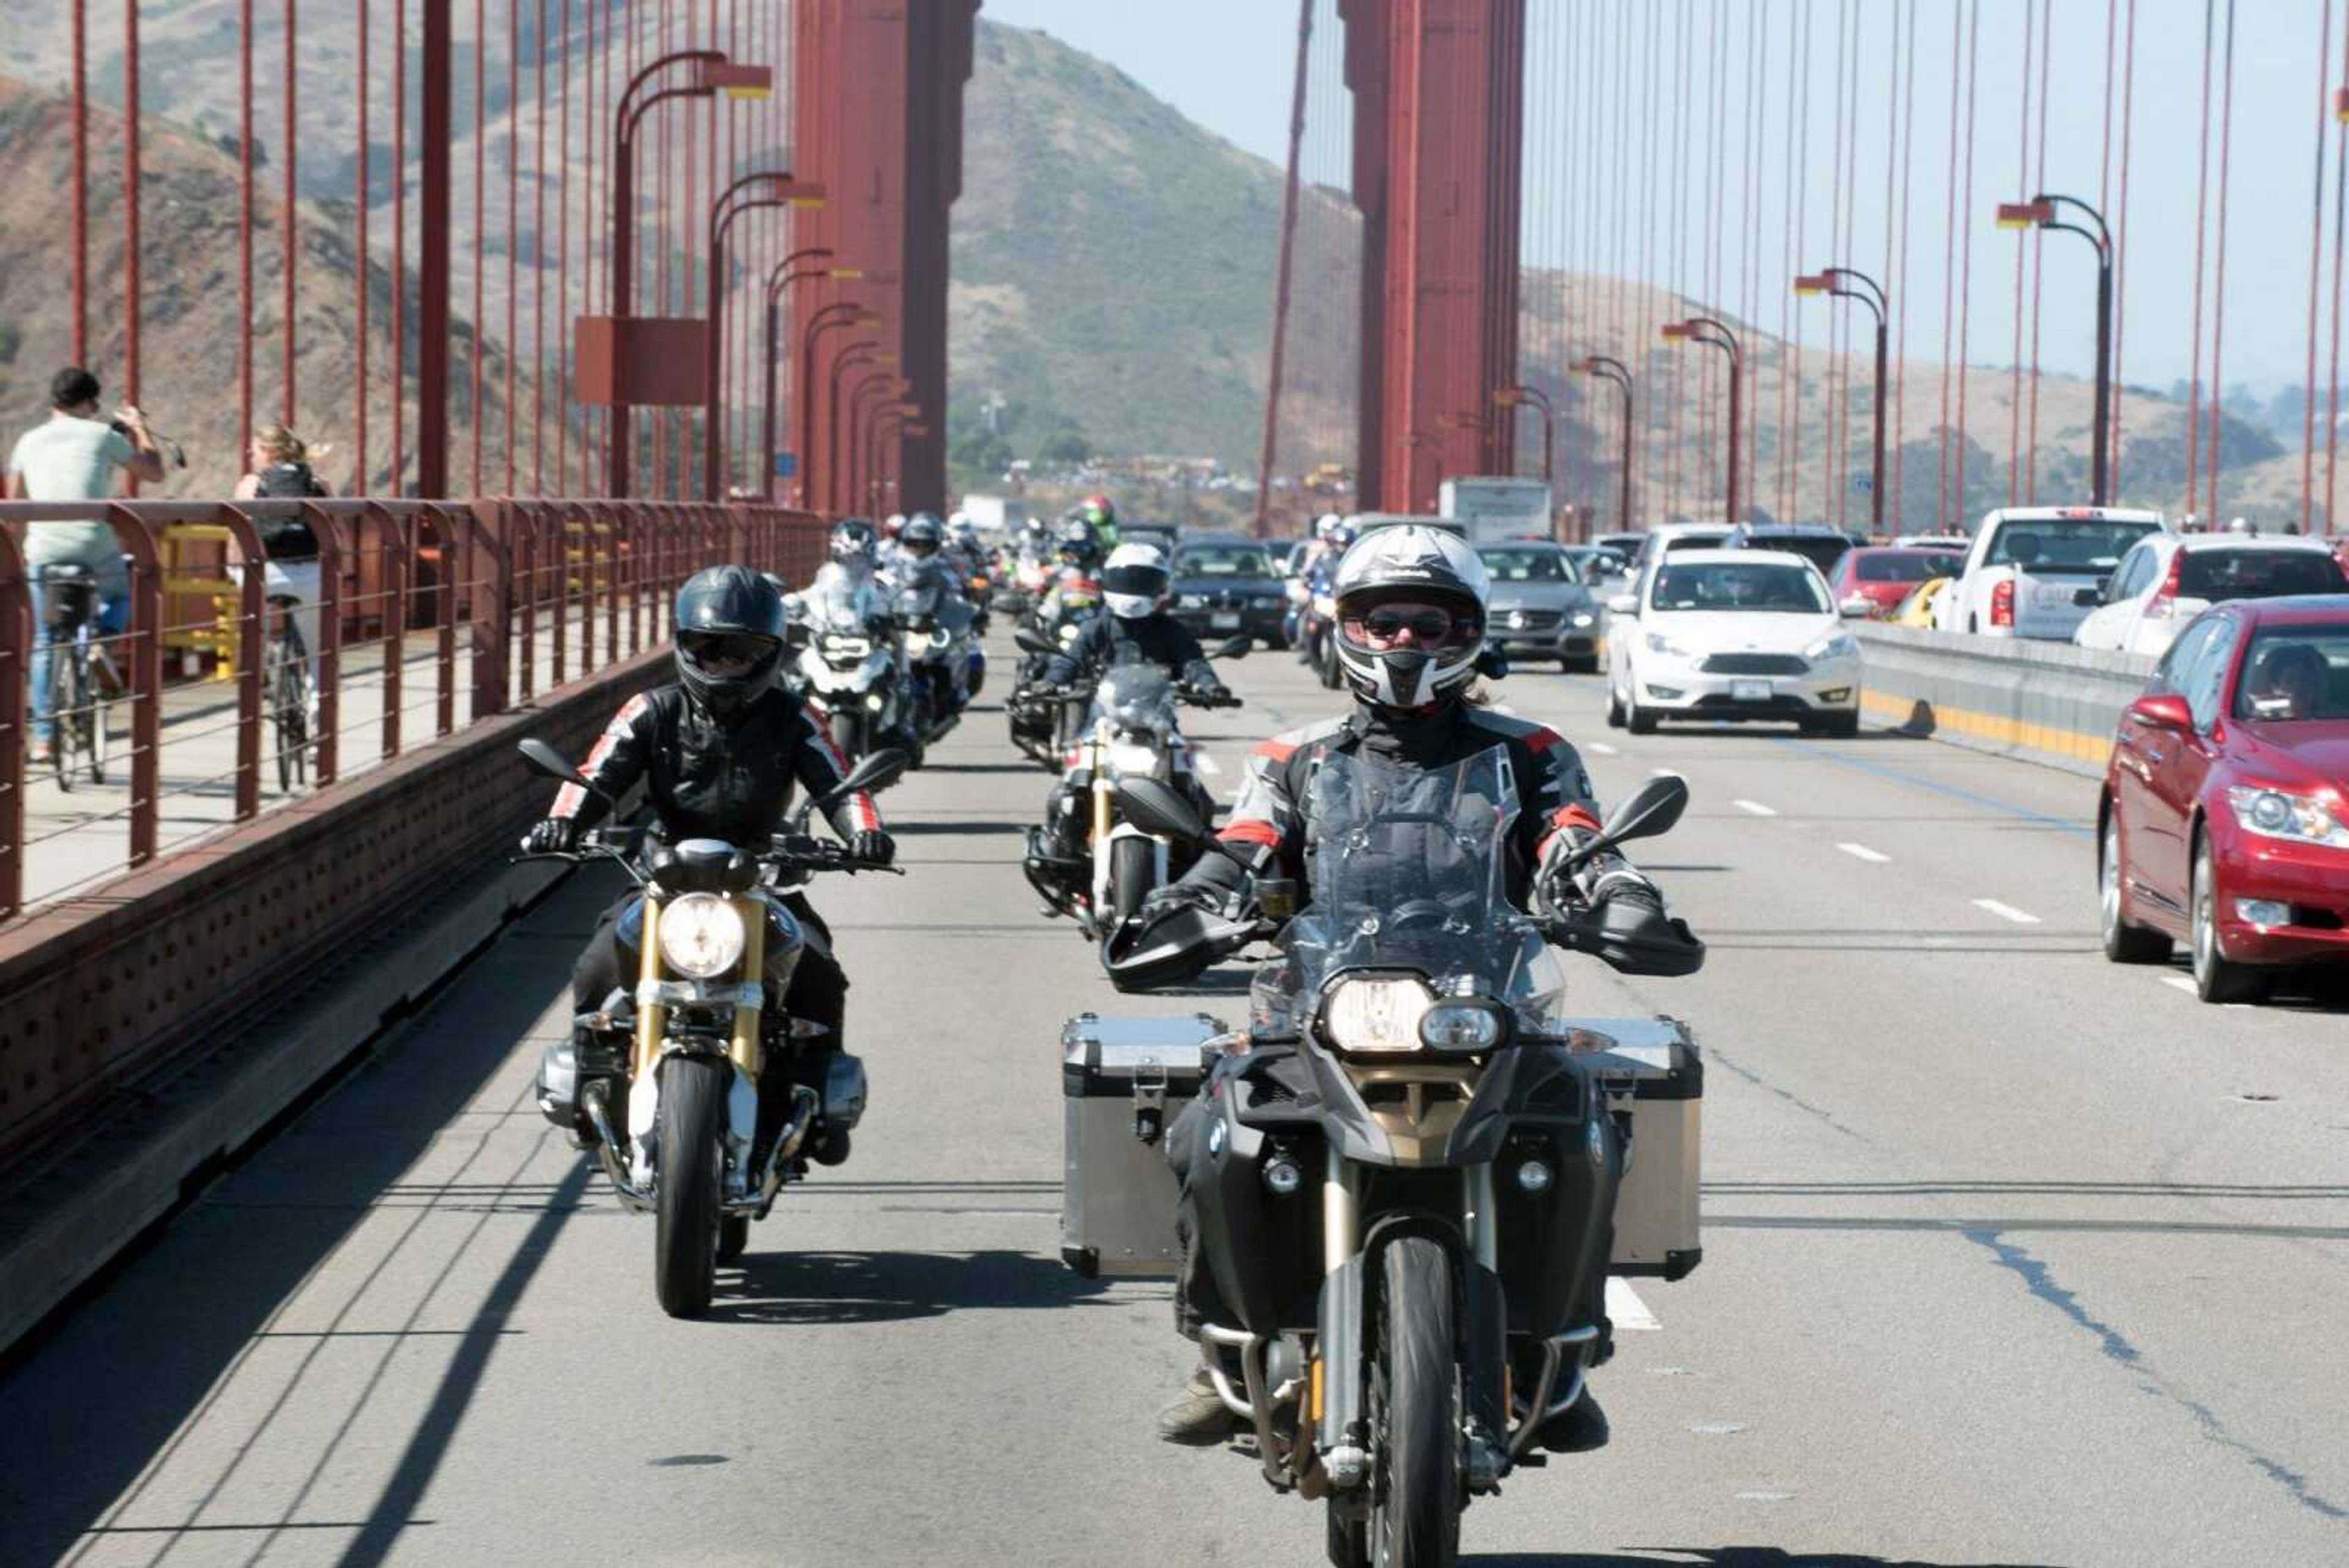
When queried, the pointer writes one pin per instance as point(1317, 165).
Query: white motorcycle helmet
point(1135, 580)
point(1326, 525)
point(1411, 615)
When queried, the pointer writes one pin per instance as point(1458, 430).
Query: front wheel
point(848, 735)
point(684, 1246)
point(1133, 871)
point(1415, 1511)
point(2217, 978)
point(1639, 720)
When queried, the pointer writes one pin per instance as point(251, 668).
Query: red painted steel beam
point(1439, 89)
point(432, 320)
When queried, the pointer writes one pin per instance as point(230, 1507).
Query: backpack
point(288, 539)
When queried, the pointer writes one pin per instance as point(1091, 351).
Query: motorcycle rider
point(720, 750)
point(1100, 515)
point(1079, 553)
point(1411, 624)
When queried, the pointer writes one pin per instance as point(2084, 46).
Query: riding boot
point(1198, 1417)
point(1578, 1429)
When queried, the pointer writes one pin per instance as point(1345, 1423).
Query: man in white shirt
point(73, 458)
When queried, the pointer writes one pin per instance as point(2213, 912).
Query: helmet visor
point(1408, 625)
point(1141, 582)
point(724, 655)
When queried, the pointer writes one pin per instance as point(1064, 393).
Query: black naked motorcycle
point(663, 1081)
point(1408, 1193)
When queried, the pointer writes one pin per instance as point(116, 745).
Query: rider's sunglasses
point(1429, 626)
point(725, 647)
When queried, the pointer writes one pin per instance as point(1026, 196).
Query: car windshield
point(2254, 574)
point(2064, 544)
point(1904, 565)
point(1407, 869)
point(1821, 550)
point(1726, 586)
point(1223, 561)
point(2295, 672)
point(1527, 565)
point(1706, 541)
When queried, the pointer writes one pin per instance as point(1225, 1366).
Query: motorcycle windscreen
point(1408, 870)
point(842, 600)
point(1137, 697)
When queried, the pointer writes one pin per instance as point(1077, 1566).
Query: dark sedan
point(1229, 583)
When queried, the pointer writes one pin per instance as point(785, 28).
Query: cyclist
point(280, 470)
point(73, 457)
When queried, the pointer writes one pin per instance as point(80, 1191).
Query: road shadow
point(1719, 1557)
point(811, 1289)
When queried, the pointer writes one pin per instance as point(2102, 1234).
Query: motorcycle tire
point(1348, 1539)
point(1333, 677)
point(1133, 872)
point(1415, 1511)
point(848, 736)
point(685, 1244)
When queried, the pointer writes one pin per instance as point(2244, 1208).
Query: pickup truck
point(2023, 574)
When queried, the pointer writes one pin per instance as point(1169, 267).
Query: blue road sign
point(786, 464)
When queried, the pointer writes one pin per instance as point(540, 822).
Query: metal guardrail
point(2045, 701)
point(482, 603)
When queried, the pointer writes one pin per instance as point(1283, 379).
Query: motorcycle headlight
point(1374, 1015)
point(1835, 644)
point(701, 935)
point(1325, 606)
point(875, 702)
point(1462, 1026)
point(1583, 618)
point(2278, 813)
point(1658, 643)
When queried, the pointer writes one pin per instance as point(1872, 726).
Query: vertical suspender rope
point(1790, 320)
point(1830, 424)
point(562, 271)
point(514, 243)
point(2218, 280)
point(2201, 230)
point(2014, 363)
point(1903, 112)
point(2038, 252)
point(292, 235)
point(2120, 247)
point(1838, 477)
point(1966, 241)
point(1270, 451)
point(244, 229)
point(131, 158)
point(2315, 270)
point(1942, 512)
point(362, 483)
point(538, 264)
point(481, 249)
point(2333, 371)
point(399, 247)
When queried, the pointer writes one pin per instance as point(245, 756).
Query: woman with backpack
point(280, 470)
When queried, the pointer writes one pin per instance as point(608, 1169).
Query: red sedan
point(1885, 575)
point(2225, 817)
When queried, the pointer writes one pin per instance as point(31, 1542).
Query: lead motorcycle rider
point(1410, 625)
point(720, 750)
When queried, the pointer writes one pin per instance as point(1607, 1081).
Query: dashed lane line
point(2006, 911)
point(1754, 806)
point(1862, 852)
point(1625, 1309)
point(1600, 748)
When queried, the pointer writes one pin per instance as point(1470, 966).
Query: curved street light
point(1836, 282)
point(1615, 370)
point(1704, 329)
point(2041, 211)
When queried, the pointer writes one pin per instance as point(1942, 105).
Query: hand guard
point(553, 836)
point(875, 845)
point(1179, 896)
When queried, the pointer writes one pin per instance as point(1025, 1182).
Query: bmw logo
point(1216, 1140)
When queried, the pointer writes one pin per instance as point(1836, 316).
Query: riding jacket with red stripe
point(713, 779)
point(1556, 808)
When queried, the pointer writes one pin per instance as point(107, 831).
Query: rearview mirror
point(544, 758)
point(874, 770)
point(1623, 604)
point(1159, 810)
point(2162, 711)
point(1859, 606)
point(1652, 809)
point(1237, 647)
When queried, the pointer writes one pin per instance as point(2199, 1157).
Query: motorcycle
point(664, 1082)
point(1402, 1337)
point(942, 658)
point(1133, 731)
point(849, 669)
point(1033, 711)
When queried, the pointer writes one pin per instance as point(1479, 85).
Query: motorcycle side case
point(1655, 1077)
point(1122, 1081)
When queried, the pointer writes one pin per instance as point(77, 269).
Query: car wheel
point(2217, 978)
point(1614, 708)
point(1842, 726)
point(1637, 719)
point(2124, 942)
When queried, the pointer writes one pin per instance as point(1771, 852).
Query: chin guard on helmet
point(730, 624)
point(1408, 563)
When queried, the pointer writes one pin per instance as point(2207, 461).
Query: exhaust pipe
point(608, 1147)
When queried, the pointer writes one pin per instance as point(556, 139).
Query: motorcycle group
point(1389, 1202)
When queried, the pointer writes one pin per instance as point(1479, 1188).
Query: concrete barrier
point(2043, 701)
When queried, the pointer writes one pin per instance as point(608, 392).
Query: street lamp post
point(1512, 397)
point(1706, 330)
point(711, 72)
point(2040, 213)
point(863, 354)
point(876, 432)
point(1834, 281)
point(1615, 370)
point(750, 193)
point(777, 282)
point(843, 484)
point(845, 313)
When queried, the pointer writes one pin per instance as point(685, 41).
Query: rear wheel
point(733, 1237)
point(1415, 1511)
point(1132, 869)
point(2217, 978)
point(2124, 942)
point(64, 720)
point(685, 1247)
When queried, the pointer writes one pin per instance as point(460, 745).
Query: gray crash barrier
point(2043, 701)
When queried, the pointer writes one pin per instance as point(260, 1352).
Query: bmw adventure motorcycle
point(664, 1081)
point(943, 659)
point(850, 669)
point(1408, 1191)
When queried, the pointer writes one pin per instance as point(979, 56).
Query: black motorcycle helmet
point(730, 637)
point(1078, 544)
point(923, 537)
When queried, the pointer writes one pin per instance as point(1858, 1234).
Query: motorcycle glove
point(553, 836)
point(875, 845)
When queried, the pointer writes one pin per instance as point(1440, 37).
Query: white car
point(1671, 537)
point(2026, 565)
point(1732, 635)
point(2165, 581)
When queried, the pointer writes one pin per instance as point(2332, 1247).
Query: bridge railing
point(432, 616)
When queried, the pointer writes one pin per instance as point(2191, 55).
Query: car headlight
point(1835, 644)
point(701, 935)
point(1192, 601)
point(1374, 1016)
point(1462, 1026)
point(1583, 618)
point(2277, 814)
point(1658, 643)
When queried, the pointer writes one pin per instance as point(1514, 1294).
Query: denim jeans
point(113, 583)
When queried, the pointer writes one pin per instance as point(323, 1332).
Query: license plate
point(1749, 691)
point(1224, 620)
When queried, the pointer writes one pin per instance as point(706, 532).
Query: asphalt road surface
point(2012, 1256)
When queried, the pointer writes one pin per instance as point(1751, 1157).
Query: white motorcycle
point(851, 669)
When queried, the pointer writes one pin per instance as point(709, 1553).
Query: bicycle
point(286, 690)
point(82, 679)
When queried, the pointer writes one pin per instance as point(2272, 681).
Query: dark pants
point(818, 990)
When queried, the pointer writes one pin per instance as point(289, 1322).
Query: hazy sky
point(1226, 64)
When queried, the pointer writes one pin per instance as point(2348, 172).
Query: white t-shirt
point(69, 458)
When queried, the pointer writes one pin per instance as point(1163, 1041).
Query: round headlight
point(1533, 1176)
point(701, 936)
point(1459, 1026)
point(2271, 813)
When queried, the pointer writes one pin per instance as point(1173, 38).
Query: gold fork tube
point(749, 1049)
point(652, 1020)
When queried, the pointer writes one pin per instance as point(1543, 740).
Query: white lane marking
point(1660, 772)
point(1862, 852)
point(2180, 982)
point(1208, 764)
point(2006, 911)
point(1754, 807)
point(1602, 749)
point(1504, 707)
point(1625, 1308)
